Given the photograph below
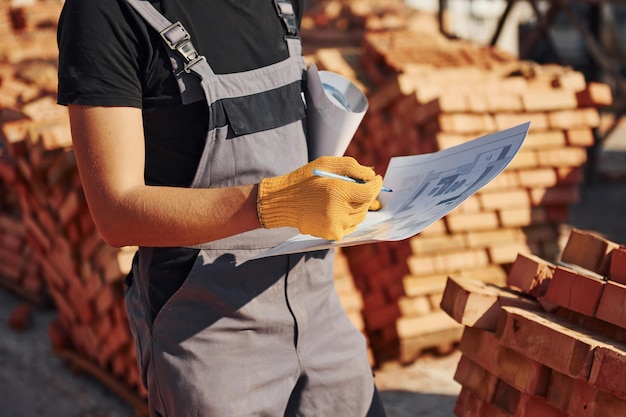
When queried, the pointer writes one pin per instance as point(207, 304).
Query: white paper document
point(336, 108)
point(425, 188)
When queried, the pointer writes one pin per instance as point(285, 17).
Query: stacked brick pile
point(427, 93)
point(48, 239)
point(551, 342)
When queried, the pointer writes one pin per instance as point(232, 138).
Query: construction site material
point(568, 361)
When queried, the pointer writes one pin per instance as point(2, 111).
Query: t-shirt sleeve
point(99, 54)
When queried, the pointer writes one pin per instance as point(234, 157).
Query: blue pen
point(325, 174)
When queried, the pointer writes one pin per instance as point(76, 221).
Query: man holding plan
point(195, 150)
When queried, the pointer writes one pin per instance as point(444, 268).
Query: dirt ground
point(35, 383)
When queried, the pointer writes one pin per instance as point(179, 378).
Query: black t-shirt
point(109, 56)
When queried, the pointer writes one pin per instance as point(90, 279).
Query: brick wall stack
point(427, 93)
point(551, 342)
point(52, 243)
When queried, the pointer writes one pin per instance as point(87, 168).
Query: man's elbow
point(114, 233)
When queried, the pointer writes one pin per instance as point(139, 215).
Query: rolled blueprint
point(335, 108)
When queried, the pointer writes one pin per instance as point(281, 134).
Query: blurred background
point(436, 73)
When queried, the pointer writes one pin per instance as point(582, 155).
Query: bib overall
point(268, 337)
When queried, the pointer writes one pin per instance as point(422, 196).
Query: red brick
point(530, 274)
point(573, 396)
point(476, 304)
point(617, 268)
point(608, 370)
point(21, 317)
point(570, 175)
point(588, 250)
point(524, 374)
point(549, 340)
point(575, 290)
point(475, 378)
point(468, 405)
point(611, 305)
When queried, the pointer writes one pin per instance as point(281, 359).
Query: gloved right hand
point(322, 207)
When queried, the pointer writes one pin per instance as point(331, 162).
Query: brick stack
point(427, 93)
point(80, 273)
point(552, 341)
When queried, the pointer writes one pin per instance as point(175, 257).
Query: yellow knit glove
point(322, 207)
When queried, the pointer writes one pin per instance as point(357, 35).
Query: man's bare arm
point(109, 147)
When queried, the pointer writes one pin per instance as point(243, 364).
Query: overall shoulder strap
point(184, 57)
point(287, 15)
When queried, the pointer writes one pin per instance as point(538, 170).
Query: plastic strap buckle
point(178, 39)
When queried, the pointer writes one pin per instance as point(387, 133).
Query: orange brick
point(476, 304)
point(505, 253)
point(617, 268)
point(588, 250)
point(415, 286)
point(538, 177)
point(530, 274)
point(570, 175)
point(415, 306)
point(499, 103)
point(409, 327)
point(507, 180)
point(595, 95)
point(524, 159)
point(538, 121)
point(541, 99)
point(461, 260)
point(523, 216)
point(568, 119)
point(504, 199)
point(464, 123)
point(562, 157)
point(580, 137)
point(485, 238)
point(449, 139)
point(450, 101)
point(571, 80)
point(464, 222)
point(428, 244)
point(611, 305)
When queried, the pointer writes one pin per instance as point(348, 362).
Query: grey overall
point(267, 337)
